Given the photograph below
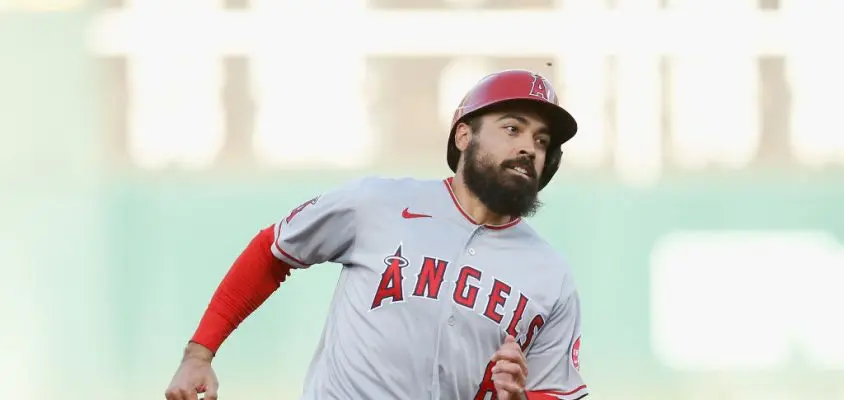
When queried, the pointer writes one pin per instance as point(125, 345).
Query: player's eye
point(512, 129)
point(543, 142)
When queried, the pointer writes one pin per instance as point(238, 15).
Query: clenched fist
point(509, 375)
point(194, 376)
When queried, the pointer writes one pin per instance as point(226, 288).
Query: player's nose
point(522, 144)
point(526, 149)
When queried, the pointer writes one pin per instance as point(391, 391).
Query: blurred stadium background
point(144, 142)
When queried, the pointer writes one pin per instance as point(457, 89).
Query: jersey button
point(451, 320)
point(471, 252)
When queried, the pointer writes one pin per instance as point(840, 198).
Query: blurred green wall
point(170, 242)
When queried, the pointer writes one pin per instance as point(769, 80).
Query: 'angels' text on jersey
point(427, 283)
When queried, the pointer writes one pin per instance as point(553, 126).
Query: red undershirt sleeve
point(252, 278)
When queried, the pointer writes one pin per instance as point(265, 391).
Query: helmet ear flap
point(552, 164)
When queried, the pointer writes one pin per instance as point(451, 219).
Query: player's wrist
point(196, 351)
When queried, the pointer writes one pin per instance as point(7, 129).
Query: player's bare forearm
point(197, 351)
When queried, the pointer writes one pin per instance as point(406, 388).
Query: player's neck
point(473, 206)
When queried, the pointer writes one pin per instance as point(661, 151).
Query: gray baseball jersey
point(426, 296)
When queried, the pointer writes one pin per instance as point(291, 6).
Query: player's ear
point(462, 136)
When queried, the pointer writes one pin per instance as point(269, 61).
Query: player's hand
point(510, 371)
point(194, 376)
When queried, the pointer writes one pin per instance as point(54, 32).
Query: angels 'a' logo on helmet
point(542, 89)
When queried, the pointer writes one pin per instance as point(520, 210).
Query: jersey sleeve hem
point(284, 256)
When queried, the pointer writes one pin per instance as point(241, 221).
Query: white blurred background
point(143, 143)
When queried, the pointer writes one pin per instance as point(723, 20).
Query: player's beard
point(497, 188)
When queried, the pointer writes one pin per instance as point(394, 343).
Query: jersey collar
point(448, 182)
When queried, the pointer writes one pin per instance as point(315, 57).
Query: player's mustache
point(525, 163)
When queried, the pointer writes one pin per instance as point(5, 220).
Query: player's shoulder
point(552, 260)
point(537, 242)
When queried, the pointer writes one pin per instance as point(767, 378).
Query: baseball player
point(445, 292)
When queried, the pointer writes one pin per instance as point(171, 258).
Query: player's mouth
point(521, 171)
point(521, 167)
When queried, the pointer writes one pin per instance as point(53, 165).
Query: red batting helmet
point(517, 86)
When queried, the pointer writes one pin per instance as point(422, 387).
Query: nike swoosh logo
point(408, 215)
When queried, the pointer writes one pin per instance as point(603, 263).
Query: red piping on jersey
point(448, 181)
point(552, 394)
point(252, 278)
point(286, 254)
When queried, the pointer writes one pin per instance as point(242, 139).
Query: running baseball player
point(445, 292)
